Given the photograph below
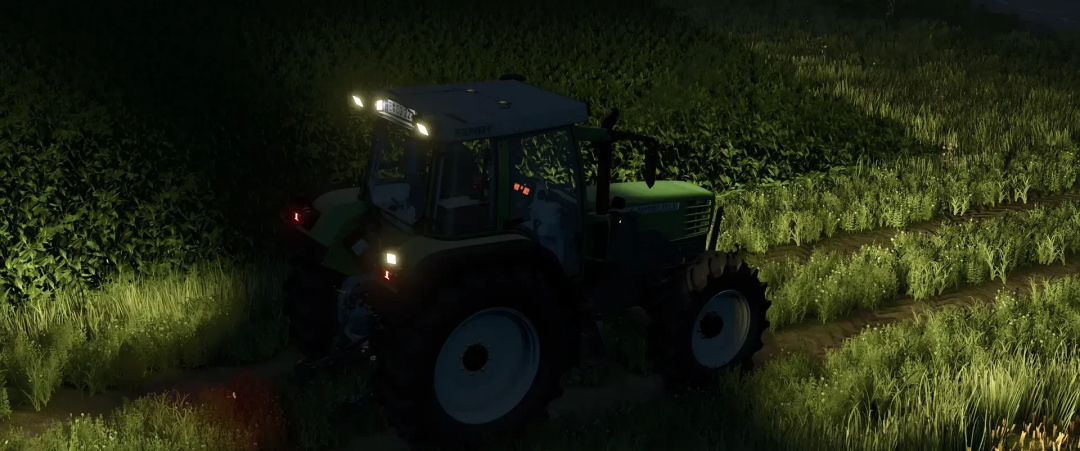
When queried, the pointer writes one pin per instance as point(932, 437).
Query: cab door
point(545, 192)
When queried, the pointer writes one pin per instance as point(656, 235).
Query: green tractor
point(474, 265)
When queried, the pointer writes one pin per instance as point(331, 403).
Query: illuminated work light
point(422, 129)
point(357, 101)
point(391, 259)
point(380, 105)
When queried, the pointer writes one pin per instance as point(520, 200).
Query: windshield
point(398, 177)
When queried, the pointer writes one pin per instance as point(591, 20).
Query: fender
point(340, 213)
point(453, 259)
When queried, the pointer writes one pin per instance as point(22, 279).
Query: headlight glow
point(379, 105)
point(391, 259)
point(357, 101)
point(422, 129)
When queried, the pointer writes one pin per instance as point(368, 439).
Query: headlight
point(422, 129)
point(380, 105)
point(391, 259)
point(357, 101)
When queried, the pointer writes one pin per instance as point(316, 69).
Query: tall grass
point(215, 312)
point(919, 264)
point(160, 422)
point(319, 409)
point(948, 380)
point(5, 403)
point(873, 195)
point(1000, 106)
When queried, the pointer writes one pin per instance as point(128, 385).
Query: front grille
point(698, 217)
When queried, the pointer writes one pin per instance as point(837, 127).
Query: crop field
point(862, 165)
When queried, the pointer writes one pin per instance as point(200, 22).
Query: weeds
point(213, 313)
point(159, 422)
point(317, 411)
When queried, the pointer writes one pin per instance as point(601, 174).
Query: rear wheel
point(714, 320)
point(484, 357)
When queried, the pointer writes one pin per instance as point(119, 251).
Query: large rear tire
point(484, 356)
point(713, 320)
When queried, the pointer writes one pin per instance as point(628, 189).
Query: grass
point(213, 313)
point(832, 283)
point(873, 195)
point(219, 419)
point(948, 380)
point(5, 403)
point(1002, 378)
point(1017, 135)
point(316, 409)
point(772, 98)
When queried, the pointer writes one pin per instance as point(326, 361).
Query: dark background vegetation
point(148, 135)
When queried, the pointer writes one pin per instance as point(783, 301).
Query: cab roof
point(467, 111)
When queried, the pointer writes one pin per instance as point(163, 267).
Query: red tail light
point(303, 217)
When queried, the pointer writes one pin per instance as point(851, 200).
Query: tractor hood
point(676, 209)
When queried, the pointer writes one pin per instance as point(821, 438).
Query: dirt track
point(814, 337)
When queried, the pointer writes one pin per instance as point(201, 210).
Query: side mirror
point(610, 119)
point(651, 159)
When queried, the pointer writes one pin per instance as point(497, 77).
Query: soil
point(816, 338)
point(68, 402)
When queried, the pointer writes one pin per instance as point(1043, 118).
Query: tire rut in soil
point(818, 338)
point(850, 242)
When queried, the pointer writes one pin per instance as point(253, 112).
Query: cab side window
point(545, 193)
point(465, 189)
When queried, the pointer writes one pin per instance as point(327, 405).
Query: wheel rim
point(348, 318)
point(721, 329)
point(487, 365)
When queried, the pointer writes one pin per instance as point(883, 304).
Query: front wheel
point(484, 357)
point(713, 320)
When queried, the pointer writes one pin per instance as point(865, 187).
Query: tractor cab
point(461, 161)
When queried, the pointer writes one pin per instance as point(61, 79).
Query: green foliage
point(104, 170)
point(920, 264)
point(5, 403)
point(549, 157)
point(212, 313)
point(870, 196)
point(314, 408)
point(158, 422)
point(86, 191)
